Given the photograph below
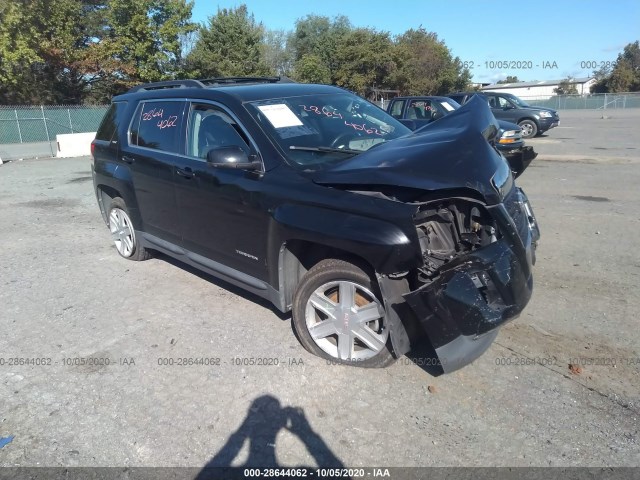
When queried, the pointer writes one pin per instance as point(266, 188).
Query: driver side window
point(503, 102)
point(211, 128)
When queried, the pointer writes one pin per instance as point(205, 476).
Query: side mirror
point(232, 157)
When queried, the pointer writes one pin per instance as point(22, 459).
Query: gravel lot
point(67, 294)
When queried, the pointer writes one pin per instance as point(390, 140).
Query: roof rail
point(239, 80)
point(167, 84)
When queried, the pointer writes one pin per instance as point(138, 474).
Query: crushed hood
point(452, 153)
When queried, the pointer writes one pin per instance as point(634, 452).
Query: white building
point(540, 90)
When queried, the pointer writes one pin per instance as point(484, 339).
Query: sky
point(534, 40)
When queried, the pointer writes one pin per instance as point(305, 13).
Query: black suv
point(505, 106)
point(322, 203)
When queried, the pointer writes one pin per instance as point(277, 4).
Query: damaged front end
point(474, 228)
point(476, 274)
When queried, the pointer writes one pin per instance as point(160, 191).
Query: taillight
point(93, 149)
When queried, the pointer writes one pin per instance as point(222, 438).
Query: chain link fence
point(27, 131)
point(596, 101)
point(25, 124)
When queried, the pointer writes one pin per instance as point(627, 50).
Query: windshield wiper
point(325, 149)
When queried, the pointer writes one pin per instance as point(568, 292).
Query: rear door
point(154, 144)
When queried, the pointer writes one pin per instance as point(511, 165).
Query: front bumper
point(462, 310)
point(548, 123)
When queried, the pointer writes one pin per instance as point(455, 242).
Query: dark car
point(417, 111)
point(506, 106)
point(376, 239)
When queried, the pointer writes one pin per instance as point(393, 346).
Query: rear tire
point(123, 234)
point(338, 315)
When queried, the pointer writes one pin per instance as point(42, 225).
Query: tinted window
point(157, 125)
point(109, 126)
point(211, 128)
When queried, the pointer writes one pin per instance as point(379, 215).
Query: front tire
point(338, 315)
point(123, 234)
point(529, 128)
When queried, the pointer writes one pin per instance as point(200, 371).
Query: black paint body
point(241, 225)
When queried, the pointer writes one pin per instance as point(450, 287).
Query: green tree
point(311, 69)
point(601, 77)
point(39, 42)
point(230, 45)
point(319, 36)
point(136, 41)
point(625, 74)
point(426, 66)
point(364, 58)
point(566, 87)
point(509, 79)
point(278, 53)
point(67, 51)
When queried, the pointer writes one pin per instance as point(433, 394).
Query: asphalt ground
point(69, 305)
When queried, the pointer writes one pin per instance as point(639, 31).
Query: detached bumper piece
point(520, 159)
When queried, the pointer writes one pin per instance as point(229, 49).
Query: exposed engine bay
point(451, 229)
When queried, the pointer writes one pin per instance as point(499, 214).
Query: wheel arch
point(296, 257)
point(533, 119)
point(111, 188)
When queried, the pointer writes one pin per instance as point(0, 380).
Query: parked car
point(417, 111)
point(376, 239)
point(505, 106)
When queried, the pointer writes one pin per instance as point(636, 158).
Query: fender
point(384, 245)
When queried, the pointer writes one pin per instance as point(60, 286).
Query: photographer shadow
point(264, 420)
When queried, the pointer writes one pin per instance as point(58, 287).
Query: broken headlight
point(502, 180)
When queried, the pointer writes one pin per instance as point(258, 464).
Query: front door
point(223, 214)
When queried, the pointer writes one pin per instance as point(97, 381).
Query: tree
point(68, 51)
point(137, 41)
point(311, 69)
point(601, 77)
point(425, 65)
point(363, 59)
point(625, 74)
point(566, 87)
point(319, 36)
point(230, 45)
point(38, 50)
point(278, 53)
point(510, 79)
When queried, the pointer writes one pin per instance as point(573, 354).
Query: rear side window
point(108, 130)
point(157, 125)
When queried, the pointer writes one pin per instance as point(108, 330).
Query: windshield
point(316, 131)
point(517, 101)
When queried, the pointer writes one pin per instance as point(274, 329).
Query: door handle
point(186, 172)
point(128, 159)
